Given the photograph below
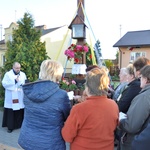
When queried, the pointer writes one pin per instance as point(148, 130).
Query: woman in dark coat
point(132, 89)
point(138, 114)
point(46, 109)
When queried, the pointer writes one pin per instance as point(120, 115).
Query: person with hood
point(46, 109)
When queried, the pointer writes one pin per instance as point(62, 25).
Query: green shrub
point(2, 93)
point(1, 102)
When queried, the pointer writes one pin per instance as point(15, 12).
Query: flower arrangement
point(64, 84)
point(68, 86)
point(73, 86)
point(76, 51)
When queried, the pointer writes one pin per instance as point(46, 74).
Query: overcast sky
point(109, 19)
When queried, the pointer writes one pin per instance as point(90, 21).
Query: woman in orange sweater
point(91, 124)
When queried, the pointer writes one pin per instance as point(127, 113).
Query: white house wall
point(56, 43)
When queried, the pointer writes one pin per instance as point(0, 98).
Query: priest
point(13, 103)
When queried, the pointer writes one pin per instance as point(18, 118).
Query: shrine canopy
point(75, 51)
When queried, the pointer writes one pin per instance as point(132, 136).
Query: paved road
point(8, 141)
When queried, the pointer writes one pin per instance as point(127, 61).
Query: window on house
point(135, 55)
point(10, 38)
point(3, 59)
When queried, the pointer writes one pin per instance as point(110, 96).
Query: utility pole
point(1, 30)
point(78, 32)
point(81, 41)
point(120, 30)
point(81, 15)
point(15, 15)
point(78, 27)
point(80, 12)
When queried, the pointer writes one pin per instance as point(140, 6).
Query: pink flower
point(65, 81)
point(85, 48)
point(73, 82)
point(79, 48)
point(75, 51)
point(69, 53)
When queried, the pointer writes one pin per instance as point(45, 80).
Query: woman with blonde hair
point(46, 109)
point(91, 124)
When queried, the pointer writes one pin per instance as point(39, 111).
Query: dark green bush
point(2, 90)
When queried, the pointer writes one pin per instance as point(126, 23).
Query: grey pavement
point(9, 141)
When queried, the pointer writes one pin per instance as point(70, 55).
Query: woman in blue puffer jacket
point(46, 109)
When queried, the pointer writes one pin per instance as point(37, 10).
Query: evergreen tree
point(26, 48)
point(108, 63)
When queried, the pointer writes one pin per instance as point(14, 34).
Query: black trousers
point(12, 119)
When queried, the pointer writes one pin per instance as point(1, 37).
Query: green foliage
point(64, 84)
point(72, 87)
point(26, 48)
point(115, 78)
point(88, 56)
point(117, 55)
point(2, 90)
point(72, 76)
point(1, 102)
point(1, 95)
point(82, 87)
point(68, 85)
point(108, 63)
point(115, 83)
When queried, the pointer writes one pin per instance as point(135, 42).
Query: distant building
point(57, 41)
point(132, 45)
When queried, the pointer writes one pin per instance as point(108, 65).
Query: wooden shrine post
point(78, 27)
point(81, 41)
